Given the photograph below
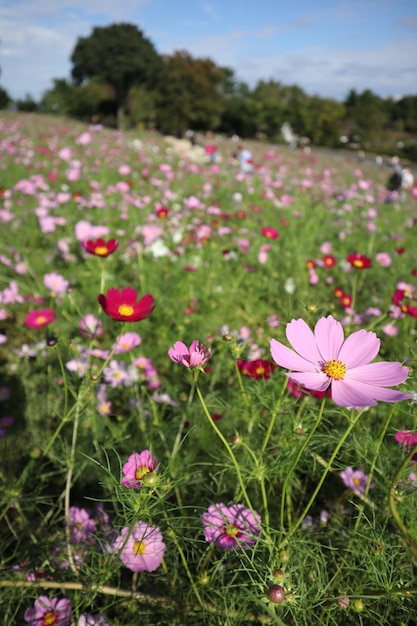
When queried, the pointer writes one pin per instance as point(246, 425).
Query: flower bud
point(276, 594)
point(279, 576)
point(150, 479)
point(343, 602)
point(284, 555)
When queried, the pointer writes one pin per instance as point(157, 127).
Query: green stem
point(274, 417)
point(296, 461)
point(345, 435)
point(372, 467)
point(69, 478)
point(391, 500)
point(241, 385)
point(226, 445)
point(182, 555)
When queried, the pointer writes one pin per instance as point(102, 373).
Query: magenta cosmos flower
point(231, 526)
point(40, 318)
point(124, 306)
point(193, 357)
point(142, 550)
point(324, 358)
point(137, 465)
point(49, 611)
point(100, 247)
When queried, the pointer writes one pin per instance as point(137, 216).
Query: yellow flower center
point(140, 472)
point(49, 619)
point(41, 319)
point(260, 370)
point(356, 482)
point(358, 263)
point(335, 369)
point(126, 310)
point(78, 525)
point(138, 548)
point(101, 250)
point(232, 531)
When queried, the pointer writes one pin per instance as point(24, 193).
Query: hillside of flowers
point(207, 383)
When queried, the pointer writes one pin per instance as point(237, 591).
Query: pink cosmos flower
point(87, 619)
point(355, 480)
point(143, 549)
point(323, 359)
point(231, 527)
point(407, 440)
point(90, 326)
point(269, 232)
point(49, 611)
point(55, 282)
point(127, 342)
point(383, 259)
point(81, 526)
point(135, 468)
point(194, 357)
point(40, 318)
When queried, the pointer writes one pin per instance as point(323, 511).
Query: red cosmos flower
point(40, 318)
point(345, 300)
point(99, 247)
point(162, 212)
point(359, 261)
point(398, 296)
point(259, 368)
point(269, 232)
point(329, 260)
point(311, 264)
point(338, 292)
point(402, 299)
point(123, 306)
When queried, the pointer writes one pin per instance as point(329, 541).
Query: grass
point(75, 410)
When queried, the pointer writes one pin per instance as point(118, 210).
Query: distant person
point(190, 134)
point(407, 179)
point(211, 151)
point(244, 156)
point(395, 180)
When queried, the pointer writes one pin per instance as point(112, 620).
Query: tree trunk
point(121, 116)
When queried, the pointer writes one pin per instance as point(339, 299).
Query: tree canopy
point(120, 55)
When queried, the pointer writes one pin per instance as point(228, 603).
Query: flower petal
point(345, 393)
point(285, 357)
point(315, 381)
point(302, 339)
point(329, 337)
point(384, 373)
point(359, 394)
point(359, 348)
point(128, 296)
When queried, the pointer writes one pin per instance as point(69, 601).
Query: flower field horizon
point(207, 395)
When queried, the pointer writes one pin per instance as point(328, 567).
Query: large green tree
point(192, 93)
point(119, 55)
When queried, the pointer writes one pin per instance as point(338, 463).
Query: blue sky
point(326, 47)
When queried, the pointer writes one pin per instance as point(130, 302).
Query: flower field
point(207, 391)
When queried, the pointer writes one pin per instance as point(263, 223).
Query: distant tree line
point(120, 80)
